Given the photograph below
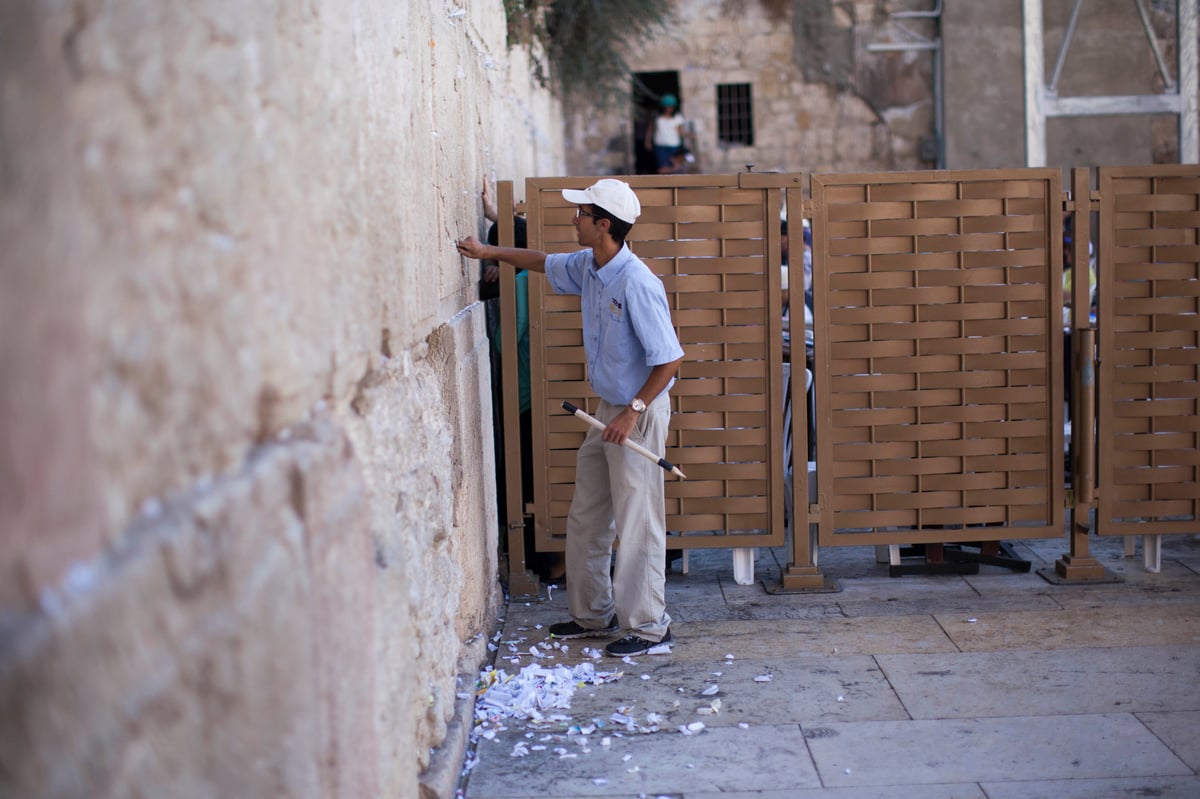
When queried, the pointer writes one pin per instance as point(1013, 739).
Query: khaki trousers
point(619, 494)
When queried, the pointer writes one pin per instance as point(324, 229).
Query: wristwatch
point(637, 405)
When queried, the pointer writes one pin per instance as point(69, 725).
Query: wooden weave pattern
point(1149, 344)
point(710, 242)
point(938, 356)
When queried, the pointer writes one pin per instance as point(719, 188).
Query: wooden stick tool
point(629, 442)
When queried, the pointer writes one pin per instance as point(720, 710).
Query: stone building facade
point(819, 101)
point(852, 86)
point(247, 518)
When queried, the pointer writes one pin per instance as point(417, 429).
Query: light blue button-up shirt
point(627, 328)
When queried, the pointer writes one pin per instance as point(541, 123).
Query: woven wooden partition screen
point(1149, 350)
point(715, 242)
point(938, 356)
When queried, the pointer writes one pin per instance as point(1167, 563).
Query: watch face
point(637, 405)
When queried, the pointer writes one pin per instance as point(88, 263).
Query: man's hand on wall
point(472, 248)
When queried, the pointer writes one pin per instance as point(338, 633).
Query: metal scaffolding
point(1178, 97)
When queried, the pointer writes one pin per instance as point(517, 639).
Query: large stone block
point(225, 650)
point(249, 533)
point(422, 427)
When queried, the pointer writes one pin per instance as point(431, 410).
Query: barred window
point(735, 114)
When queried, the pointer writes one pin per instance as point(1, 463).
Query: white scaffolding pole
point(1035, 77)
point(1042, 102)
point(1189, 116)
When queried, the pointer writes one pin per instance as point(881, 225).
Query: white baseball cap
point(612, 195)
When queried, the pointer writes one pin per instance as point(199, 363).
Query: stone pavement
point(997, 685)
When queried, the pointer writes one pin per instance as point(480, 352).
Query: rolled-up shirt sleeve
point(564, 271)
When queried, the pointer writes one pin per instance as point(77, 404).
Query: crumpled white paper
point(535, 689)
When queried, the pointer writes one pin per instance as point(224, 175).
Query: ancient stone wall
point(247, 527)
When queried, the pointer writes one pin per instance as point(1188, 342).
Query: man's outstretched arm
point(533, 260)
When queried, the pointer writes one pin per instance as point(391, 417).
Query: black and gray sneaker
point(569, 629)
point(632, 645)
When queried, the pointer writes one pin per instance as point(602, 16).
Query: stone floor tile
point(816, 689)
point(527, 614)
point(751, 638)
point(995, 582)
point(747, 638)
point(1166, 592)
point(966, 605)
point(1179, 730)
point(753, 601)
point(828, 636)
point(1119, 788)
point(662, 763)
point(891, 589)
point(1060, 682)
point(695, 598)
point(1133, 572)
point(959, 791)
point(985, 750)
point(1107, 626)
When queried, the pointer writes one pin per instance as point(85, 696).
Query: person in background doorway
point(665, 136)
point(632, 354)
